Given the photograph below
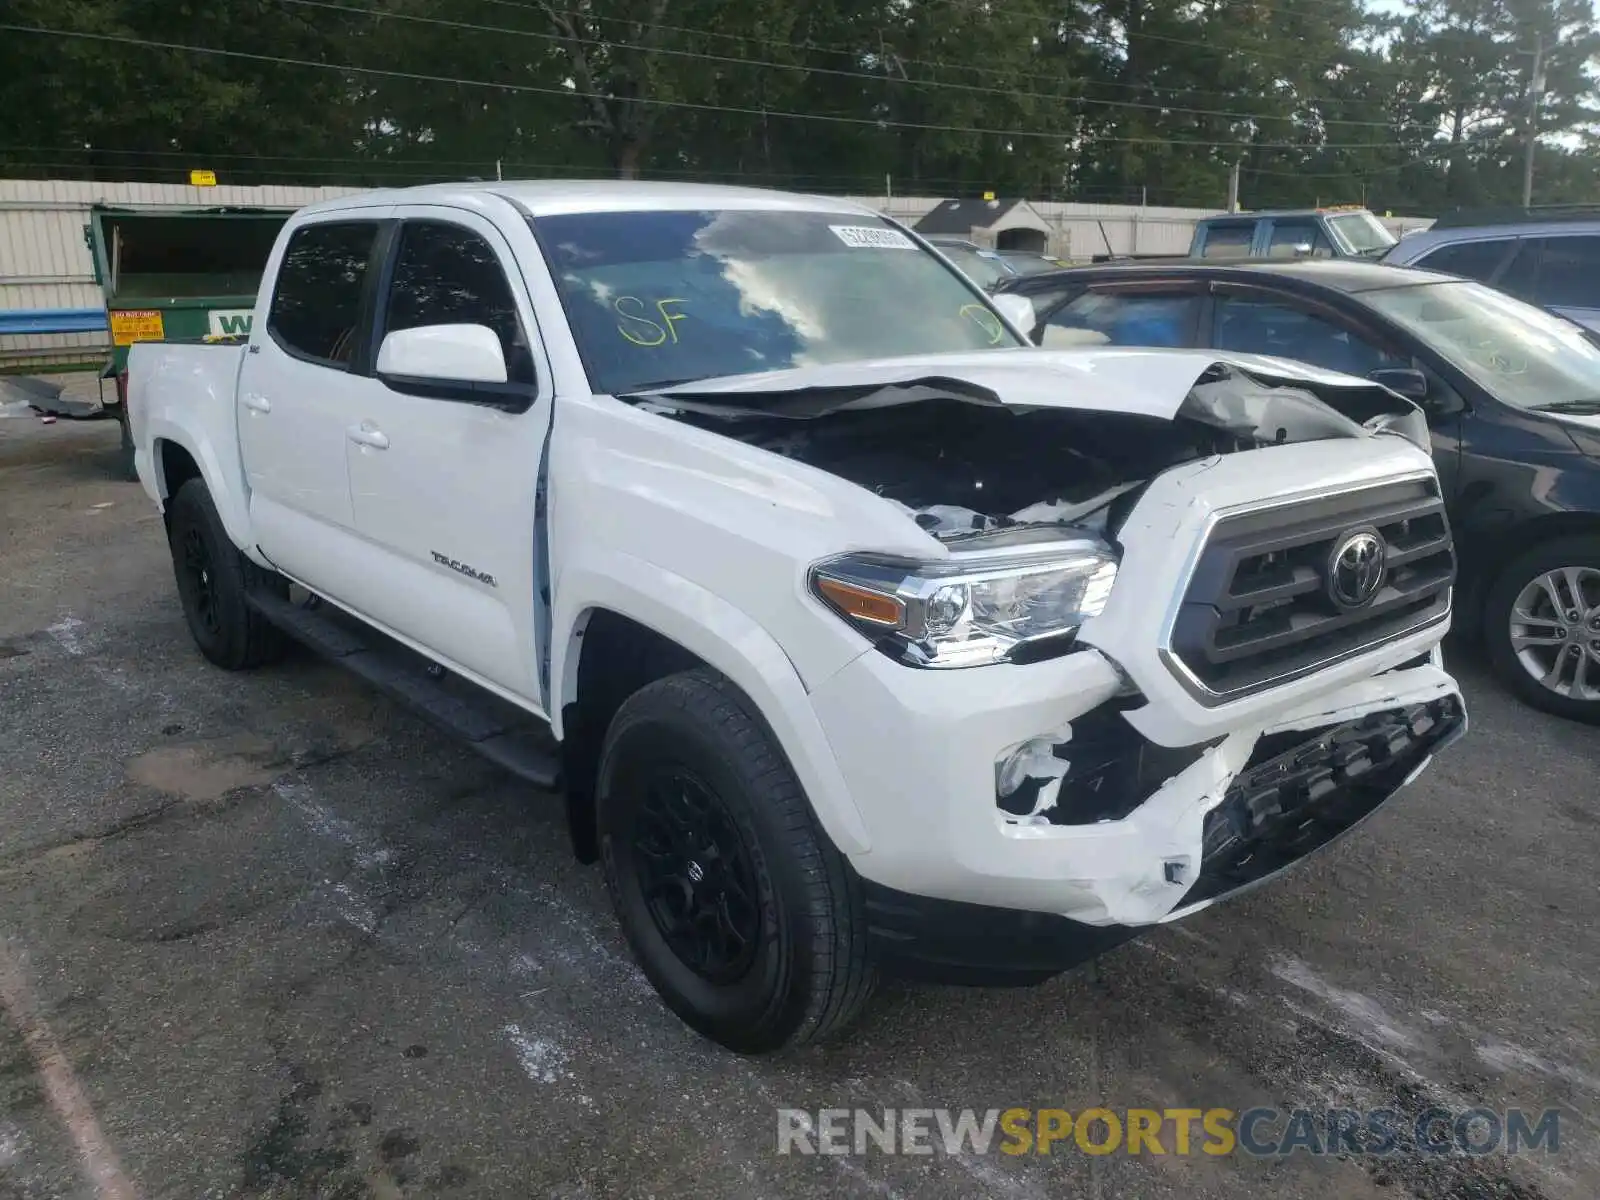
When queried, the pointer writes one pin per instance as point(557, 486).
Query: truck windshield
point(1362, 233)
point(662, 298)
point(1522, 355)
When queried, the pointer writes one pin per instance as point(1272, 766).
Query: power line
point(1253, 53)
point(811, 70)
point(574, 93)
point(385, 166)
point(861, 185)
point(197, 155)
point(1053, 22)
point(857, 52)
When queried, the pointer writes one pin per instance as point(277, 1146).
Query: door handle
point(257, 403)
point(368, 434)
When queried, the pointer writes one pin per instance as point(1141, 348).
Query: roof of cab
point(546, 197)
point(1328, 210)
point(1339, 274)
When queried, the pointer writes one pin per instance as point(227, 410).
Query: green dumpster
point(176, 274)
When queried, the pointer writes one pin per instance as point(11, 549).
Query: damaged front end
point(1021, 488)
point(1177, 695)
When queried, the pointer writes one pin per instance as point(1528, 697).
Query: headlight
point(984, 605)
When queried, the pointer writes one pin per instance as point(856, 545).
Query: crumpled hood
point(1145, 382)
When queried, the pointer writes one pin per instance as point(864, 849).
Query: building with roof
point(1000, 224)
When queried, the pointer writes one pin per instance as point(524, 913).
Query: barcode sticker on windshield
point(872, 237)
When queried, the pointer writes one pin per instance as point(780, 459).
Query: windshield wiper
point(645, 389)
point(1576, 408)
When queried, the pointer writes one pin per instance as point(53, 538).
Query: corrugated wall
point(45, 266)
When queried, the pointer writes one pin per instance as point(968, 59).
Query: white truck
point(860, 636)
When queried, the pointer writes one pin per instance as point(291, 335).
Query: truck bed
point(188, 384)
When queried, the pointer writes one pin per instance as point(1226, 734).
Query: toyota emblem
point(1356, 569)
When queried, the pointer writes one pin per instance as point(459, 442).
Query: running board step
point(503, 733)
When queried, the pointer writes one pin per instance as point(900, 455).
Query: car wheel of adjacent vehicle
point(740, 911)
point(1542, 623)
point(213, 582)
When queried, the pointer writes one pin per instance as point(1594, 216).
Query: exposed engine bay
point(959, 468)
point(961, 462)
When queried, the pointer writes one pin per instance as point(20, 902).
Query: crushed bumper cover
point(1296, 796)
point(1299, 792)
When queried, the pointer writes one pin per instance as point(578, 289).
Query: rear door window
point(316, 300)
point(1471, 260)
point(1569, 272)
point(1118, 318)
point(1294, 239)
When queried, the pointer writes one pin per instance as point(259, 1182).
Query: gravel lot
point(267, 935)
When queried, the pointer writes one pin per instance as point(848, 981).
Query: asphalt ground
point(268, 935)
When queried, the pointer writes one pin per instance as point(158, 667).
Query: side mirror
point(443, 354)
point(1407, 381)
point(1302, 250)
point(1018, 310)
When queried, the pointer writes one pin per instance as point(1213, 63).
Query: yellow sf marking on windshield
point(984, 320)
point(640, 329)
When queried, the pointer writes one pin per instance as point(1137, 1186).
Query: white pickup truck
point(861, 636)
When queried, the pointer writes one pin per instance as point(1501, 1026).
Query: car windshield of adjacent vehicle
point(984, 268)
point(1521, 354)
point(657, 299)
point(1362, 233)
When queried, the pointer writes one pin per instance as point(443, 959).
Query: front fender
point(726, 639)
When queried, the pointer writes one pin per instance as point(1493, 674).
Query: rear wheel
point(739, 910)
point(1542, 625)
point(125, 465)
point(214, 581)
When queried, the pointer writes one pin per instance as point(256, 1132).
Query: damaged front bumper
point(960, 889)
point(1057, 807)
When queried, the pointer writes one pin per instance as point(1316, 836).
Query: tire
point(1517, 590)
point(125, 464)
point(687, 763)
point(214, 580)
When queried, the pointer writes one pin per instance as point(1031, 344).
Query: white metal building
point(47, 273)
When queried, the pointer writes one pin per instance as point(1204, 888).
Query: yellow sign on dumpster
point(137, 325)
point(203, 178)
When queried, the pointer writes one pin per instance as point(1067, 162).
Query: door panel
point(444, 491)
point(297, 392)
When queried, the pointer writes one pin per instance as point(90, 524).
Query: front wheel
point(1542, 624)
point(739, 910)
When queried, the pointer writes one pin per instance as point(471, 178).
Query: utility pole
point(1535, 87)
point(1233, 187)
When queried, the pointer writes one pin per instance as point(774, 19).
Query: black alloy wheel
point(697, 876)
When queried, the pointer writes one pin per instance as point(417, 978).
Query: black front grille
point(1259, 609)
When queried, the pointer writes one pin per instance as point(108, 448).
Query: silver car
point(1550, 258)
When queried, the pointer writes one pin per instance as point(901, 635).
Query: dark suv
point(1511, 394)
